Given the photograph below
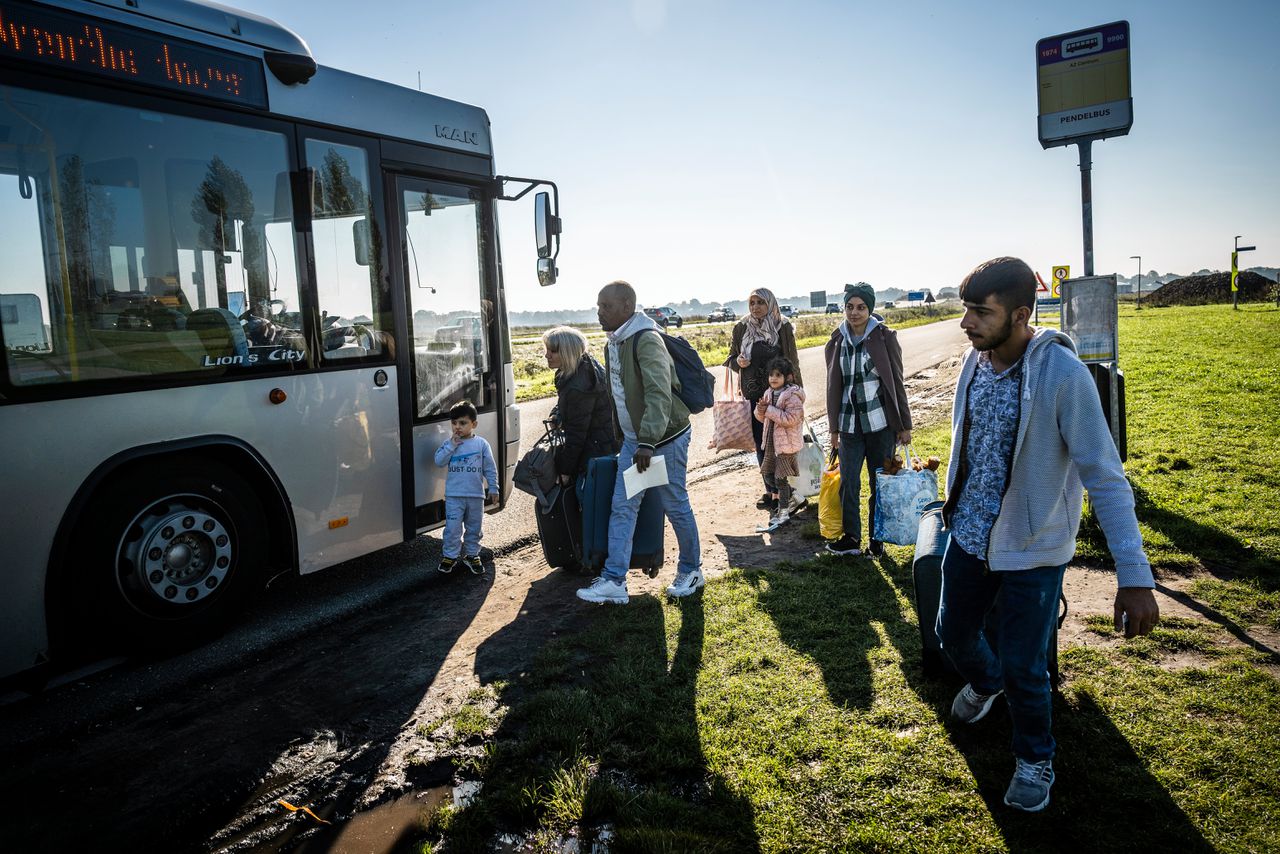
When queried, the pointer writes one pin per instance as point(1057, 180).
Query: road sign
point(1089, 317)
point(915, 296)
point(817, 299)
point(1061, 273)
point(1041, 287)
point(1083, 85)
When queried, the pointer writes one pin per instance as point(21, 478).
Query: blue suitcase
point(597, 502)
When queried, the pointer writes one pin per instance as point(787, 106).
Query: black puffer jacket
point(585, 412)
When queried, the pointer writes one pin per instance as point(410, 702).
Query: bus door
point(450, 321)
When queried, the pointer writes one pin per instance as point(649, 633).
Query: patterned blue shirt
point(993, 410)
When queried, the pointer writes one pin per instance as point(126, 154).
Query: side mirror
point(360, 241)
point(546, 225)
point(546, 272)
point(277, 307)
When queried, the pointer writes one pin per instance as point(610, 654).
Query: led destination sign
point(117, 52)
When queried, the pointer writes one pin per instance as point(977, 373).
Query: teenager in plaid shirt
point(866, 408)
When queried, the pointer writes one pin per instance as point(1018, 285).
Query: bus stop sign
point(1082, 80)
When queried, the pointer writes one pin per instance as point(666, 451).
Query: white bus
point(239, 294)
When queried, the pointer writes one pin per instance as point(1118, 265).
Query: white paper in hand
point(654, 475)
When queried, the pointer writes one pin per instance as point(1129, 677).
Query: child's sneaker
point(474, 563)
point(447, 564)
point(776, 521)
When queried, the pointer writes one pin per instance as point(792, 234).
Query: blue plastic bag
point(900, 501)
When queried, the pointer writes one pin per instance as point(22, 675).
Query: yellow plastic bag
point(830, 513)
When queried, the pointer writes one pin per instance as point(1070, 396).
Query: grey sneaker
point(970, 707)
point(1029, 788)
point(473, 563)
point(604, 589)
point(447, 564)
point(687, 583)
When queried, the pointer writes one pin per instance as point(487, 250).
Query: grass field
point(534, 380)
point(784, 709)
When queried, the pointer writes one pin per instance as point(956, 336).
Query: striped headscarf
point(766, 328)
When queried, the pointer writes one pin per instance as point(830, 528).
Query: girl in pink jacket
point(781, 410)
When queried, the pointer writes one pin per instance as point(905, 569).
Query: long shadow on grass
point(1216, 550)
point(1104, 798)
point(831, 610)
point(603, 732)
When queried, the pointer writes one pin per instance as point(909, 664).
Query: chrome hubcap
point(179, 554)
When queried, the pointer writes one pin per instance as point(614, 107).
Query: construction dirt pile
point(1214, 287)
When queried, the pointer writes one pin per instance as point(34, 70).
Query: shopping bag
point(809, 464)
point(900, 501)
point(732, 416)
point(830, 513)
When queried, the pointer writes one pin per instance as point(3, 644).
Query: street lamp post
point(1139, 257)
point(1234, 255)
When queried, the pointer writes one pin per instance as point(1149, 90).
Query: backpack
point(697, 384)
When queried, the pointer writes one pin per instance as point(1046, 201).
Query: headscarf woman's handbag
point(732, 416)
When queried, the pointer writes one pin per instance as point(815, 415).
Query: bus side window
point(353, 322)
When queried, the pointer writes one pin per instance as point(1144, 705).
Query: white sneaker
point(687, 583)
point(776, 521)
point(604, 589)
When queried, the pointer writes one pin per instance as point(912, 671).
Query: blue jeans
point(1015, 662)
point(675, 503)
point(855, 449)
point(462, 514)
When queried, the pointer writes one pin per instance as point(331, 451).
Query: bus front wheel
point(171, 553)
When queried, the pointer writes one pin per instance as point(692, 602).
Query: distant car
point(833, 308)
point(665, 316)
point(787, 311)
point(720, 315)
point(889, 304)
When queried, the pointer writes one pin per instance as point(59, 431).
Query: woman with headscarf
point(584, 409)
point(866, 408)
point(757, 339)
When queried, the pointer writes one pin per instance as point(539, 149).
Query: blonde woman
point(584, 409)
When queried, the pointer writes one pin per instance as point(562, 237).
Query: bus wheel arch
point(150, 531)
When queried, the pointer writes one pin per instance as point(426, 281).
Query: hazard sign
point(1060, 273)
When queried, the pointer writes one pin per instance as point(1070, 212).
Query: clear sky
point(708, 147)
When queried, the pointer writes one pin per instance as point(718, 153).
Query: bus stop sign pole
point(1086, 214)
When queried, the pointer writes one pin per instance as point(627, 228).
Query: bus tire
point(170, 553)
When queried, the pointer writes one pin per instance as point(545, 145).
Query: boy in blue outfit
point(473, 475)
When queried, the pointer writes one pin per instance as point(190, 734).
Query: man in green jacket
point(651, 420)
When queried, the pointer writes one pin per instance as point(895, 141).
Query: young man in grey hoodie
point(1028, 435)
